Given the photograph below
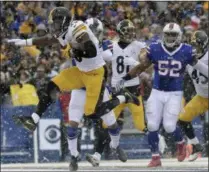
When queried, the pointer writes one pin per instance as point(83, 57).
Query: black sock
point(187, 129)
point(102, 138)
point(46, 97)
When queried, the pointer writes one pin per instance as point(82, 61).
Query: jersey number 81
point(121, 67)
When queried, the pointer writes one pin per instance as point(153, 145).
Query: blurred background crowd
point(36, 65)
point(25, 70)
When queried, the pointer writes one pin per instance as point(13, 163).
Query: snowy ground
point(169, 165)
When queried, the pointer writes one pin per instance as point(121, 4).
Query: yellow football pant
point(93, 81)
point(197, 106)
point(137, 113)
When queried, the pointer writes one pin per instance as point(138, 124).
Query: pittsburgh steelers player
point(199, 103)
point(124, 57)
point(89, 73)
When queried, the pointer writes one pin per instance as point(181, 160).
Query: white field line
point(201, 162)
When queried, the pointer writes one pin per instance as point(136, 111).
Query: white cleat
point(93, 159)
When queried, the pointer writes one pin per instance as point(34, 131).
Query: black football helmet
point(126, 31)
point(199, 41)
point(59, 19)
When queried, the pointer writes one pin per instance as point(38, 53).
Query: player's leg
point(64, 81)
point(114, 131)
point(171, 111)
point(76, 112)
point(101, 140)
point(102, 137)
point(154, 110)
point(198, 105)
point(95, 84)
point(138, 115)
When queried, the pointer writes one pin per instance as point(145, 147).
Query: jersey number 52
point(170, 68)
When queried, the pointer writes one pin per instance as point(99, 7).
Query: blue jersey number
point(171, 68)
point(121, 66)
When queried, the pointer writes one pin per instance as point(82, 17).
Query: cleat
point(155, 162)
point(25, 121)
point(130, 98)
point(197, 149)
point(120, 154)
point(92, 160)
point(181, 152)
point(73, 163)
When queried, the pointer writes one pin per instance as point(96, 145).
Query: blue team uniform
point(169, 67)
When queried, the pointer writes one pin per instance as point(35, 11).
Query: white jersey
point(119, 67)
point(200, 81)
point(76, 29)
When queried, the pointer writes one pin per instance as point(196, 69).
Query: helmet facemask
point(59, 20)
point(200, 45)
point(127, 34)
point(171, 39)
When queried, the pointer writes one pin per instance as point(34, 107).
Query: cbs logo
point(52, 134)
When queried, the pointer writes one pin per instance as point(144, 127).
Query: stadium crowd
point(36, 65)
point(26, 19)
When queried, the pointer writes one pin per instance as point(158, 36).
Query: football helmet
point(199, 41)
point(96, 27)
point(126, 31)
point(59, 19)
point(172, 35)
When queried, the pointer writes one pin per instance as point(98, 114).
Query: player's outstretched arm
point(40, 41)
point(144, 63)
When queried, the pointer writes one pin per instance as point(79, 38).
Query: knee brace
point(72, 133)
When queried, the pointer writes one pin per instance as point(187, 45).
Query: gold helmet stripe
point(50, 20)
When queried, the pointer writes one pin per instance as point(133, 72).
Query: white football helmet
point(96, 27)
point(172, 35)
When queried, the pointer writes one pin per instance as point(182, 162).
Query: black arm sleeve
point(89, 50)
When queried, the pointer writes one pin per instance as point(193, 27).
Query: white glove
point(120, 85)
point(12, 40)
point(130, 61)
point(21, 42)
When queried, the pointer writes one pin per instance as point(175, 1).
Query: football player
point(78, 96)
point(125, 56)
point(170, 58)
point(89, 73)
point(199, 103)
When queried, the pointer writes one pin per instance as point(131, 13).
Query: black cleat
point(92, 160)
point(25, 121)
point(119, 152)
point(197, 149)
point(130, 98)
point(73, 163)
